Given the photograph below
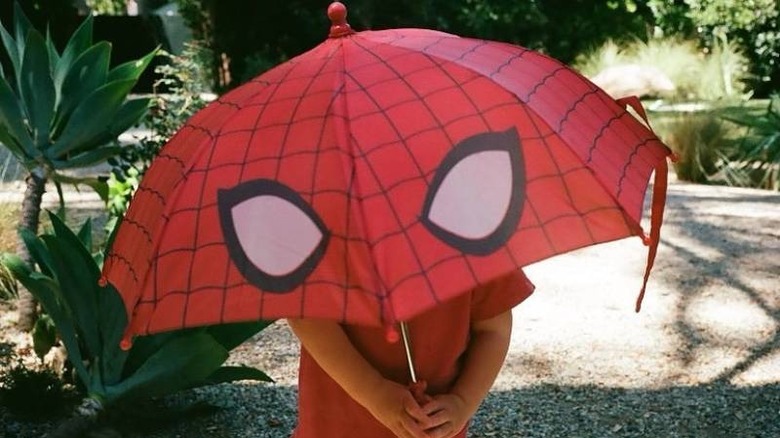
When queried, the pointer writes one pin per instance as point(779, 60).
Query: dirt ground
point(702, 358)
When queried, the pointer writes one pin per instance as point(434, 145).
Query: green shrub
point(609, 54)
point(32, 393)
point(680, 60)
point(756, 161)
point(180, 91)
point(719, 74)
point(90, 320)
point(63, 110)
point(723, 74)
point(752, 25)
point(59, 111)
point(107, 7)
point(700, 140)
point(8, 287)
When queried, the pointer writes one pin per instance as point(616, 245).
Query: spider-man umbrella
point(375, 176)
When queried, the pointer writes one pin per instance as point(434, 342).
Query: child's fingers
point(445, 430)
point(439, 418)
point(412, 429)
point(415, 411)
point(433, 406)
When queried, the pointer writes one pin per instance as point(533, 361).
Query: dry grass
point(9, 218)
point(75, 218)
point(9, 222)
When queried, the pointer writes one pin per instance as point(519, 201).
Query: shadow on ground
point(707, 411)
point(545, 411)
point(725, 270)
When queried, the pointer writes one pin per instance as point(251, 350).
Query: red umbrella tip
point(337, 13)
point(391, 334)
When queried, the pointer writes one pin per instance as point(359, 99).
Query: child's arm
point(484, 357)
point(389, 402)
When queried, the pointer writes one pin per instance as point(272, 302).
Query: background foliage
point(255, 35)
point(249, 36)
point(753, 24)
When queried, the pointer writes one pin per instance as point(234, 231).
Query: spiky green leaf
point(47, 291)
point(97, 184)
point(38, 251)
point(130, 113)
point(89, 158)
point(12, 120)
point(54, 56)
point(132, 69)
point(10, 47)
point(37, 88)
point(236, 373)
point(85, 234)
point(88, 124)
point(44, 336)
point(10, 143)
point(145, 347)
point(80, 41)
point(181, 363)
point(112, 321)
point(22, 27)
point(77, 274)
point(88, 73)
point(231, 336)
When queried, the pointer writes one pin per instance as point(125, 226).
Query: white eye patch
point(476, 196)
point(276, 236)
point(273, 236)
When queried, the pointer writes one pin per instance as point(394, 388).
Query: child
point(353, 383)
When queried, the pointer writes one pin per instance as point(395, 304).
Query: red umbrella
point(375, 176)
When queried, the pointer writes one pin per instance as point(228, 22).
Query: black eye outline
point(508, 141)
point(229, 198)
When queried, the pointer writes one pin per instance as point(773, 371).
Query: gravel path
point(702, 359)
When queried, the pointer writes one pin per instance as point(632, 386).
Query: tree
point(753, 24)
point(59, 111)
point(249, 36)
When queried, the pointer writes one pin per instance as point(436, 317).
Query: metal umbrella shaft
point(408, 349)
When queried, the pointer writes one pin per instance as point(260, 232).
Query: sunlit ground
point(711, 314)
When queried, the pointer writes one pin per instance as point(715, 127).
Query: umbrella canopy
point(375, 176)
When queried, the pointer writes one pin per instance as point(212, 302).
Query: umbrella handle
point(408, 349)
point(418, 391)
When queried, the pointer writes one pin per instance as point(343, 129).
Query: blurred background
point(706, 69)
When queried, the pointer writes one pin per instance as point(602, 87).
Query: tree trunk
point(81, 422)
point(31, 210)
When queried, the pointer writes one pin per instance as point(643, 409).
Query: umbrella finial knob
point(337, 13)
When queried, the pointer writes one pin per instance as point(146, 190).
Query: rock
point(633, 80)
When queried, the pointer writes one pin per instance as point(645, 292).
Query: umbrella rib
point(241, 177)
point(376, 176)
point(493, 73)
point(295, 110)
point(474, 105)
point(347, 138)
point(403, 139)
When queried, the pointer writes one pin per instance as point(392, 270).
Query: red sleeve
point(500, 295)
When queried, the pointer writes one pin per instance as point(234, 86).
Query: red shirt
point(438, 338)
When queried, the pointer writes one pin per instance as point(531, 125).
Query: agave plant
point(90, 320)
point(757, 162)
point(60, 111)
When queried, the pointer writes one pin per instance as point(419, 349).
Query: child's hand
point(448, 415)
point(395, 407)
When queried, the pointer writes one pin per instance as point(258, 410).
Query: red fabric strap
point(636, 104)
point(656, 218)
point(658, 201)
